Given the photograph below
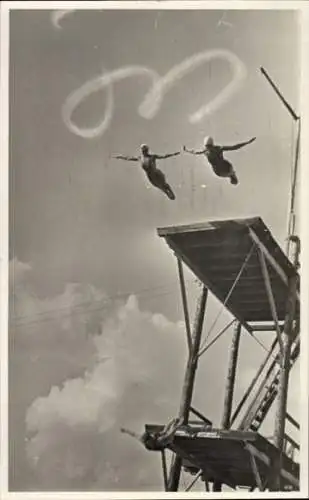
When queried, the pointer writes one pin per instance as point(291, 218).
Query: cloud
point(58, 15)
point(50, 341)
point(79, 373)
point(130, 383)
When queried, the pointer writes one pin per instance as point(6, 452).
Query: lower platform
point(224, 455)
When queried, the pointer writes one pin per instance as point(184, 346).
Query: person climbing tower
point(214, 155)
point(157, 441)
point(148, 162)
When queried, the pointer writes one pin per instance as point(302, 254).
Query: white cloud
point(78, 374)
point(139, 357)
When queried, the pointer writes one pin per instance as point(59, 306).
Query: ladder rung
point(292, 421)
point(291, 441)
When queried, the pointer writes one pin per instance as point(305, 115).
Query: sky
point(96, 333)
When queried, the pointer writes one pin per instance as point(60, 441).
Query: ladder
point(266, 394)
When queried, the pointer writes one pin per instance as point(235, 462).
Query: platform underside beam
point(215, 253)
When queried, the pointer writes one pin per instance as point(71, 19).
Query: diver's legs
point(233, 178)
point(168, 191)
point(157, 179)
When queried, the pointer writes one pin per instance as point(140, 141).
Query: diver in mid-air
point(214, 155)
point(148, 162)
point(157, 441)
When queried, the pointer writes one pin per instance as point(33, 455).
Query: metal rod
point(229, 393)
point(283, 100)
point(270, 297)
point(189, 381)
point(164, 468)
point(291, 227)
point(253, 383)
point(184, 303)
point(287, 337)
point(200, 415)
point(216, 338)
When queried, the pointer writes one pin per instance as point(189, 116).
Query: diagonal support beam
point(184, 303)
point(290, 478)
point(274, 264)
point(255, 470)
point(270, 297)
point(197, 477)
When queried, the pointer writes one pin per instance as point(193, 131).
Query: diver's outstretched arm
point(168, 155)
point(131, 433)
point(192, 152)
point(237, 146)
point(127, 158)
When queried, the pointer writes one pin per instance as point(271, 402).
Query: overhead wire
point(91, 301)
point(74, 311)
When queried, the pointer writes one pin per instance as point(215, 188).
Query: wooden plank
point(210, 225)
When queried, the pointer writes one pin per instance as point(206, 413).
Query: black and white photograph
point(155, 248)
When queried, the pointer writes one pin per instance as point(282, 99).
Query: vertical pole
point(189, 380)
point(229, 390)
point(164, 468)
point(229, 393)
point(284, 374)
point(291, 226)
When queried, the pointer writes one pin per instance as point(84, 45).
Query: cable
point(229, 293)
point(216, 338)
point(29, 323)
point(204, 349)
point(261, 344)
point(90, 302)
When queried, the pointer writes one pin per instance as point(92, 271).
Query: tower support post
point(287, 339)
point(229, 389)
point(189, 380)
point(229, 392)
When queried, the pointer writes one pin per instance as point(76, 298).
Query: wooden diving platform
point(226, 456)
point(216, 252)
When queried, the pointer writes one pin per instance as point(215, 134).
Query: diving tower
point(241, 264)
